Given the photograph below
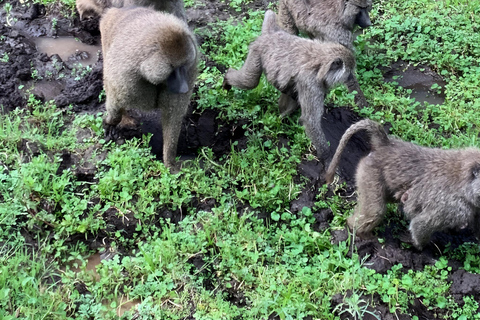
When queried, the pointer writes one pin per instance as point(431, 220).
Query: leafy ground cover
point(246, 230)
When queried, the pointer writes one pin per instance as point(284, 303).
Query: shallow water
point(66, 47)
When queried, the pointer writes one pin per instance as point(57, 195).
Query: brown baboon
point(150, 62)
point(87, 8)
point(328, 20)
point(439, 189)
point(302, 69)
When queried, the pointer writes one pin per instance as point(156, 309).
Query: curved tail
point(270, 22)
point(377, 135)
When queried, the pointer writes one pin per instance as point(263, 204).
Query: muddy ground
point(33, 67)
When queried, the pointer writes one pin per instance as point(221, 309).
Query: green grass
point(275, 266)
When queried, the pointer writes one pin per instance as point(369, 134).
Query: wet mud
point(70, 74)
point(419, 79)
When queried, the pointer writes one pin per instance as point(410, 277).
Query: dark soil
point(26, 65)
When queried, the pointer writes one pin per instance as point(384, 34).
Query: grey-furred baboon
point(328, 20)
point(302, 69)
point(439, 189)
point(150, 62)
point(87, 8)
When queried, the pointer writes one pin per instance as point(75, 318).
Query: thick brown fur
point(87, 8)
point(300, 68)
point(142, 50)
point(328, 20)
point(439, 189)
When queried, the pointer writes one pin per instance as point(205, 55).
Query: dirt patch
point(372, 308)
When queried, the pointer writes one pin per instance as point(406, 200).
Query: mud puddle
point(123, 302)
point(68, 48)
point(426, 85)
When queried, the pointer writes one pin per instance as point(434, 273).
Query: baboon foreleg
point(285, 19)
point(248, 76)
point(172, 119)
point(352, 85)
point(286, 105)
point(112, 119)
point(476, 226)
point(371, 201)
point(422, 228)
point(311, 104)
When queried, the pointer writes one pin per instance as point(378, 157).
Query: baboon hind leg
point(249, 74)
point(360, 99)
point(371, 201)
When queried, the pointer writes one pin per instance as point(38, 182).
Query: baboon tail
point(377, 135)
point(270, 22)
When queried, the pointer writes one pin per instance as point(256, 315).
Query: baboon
point(90, 8)
point(328, 20)
point(87, 8)
point(439, 189)
point(150, 62)
point(302, 69)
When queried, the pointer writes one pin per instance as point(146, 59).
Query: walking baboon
point(439, 189)
point(150, 62)
point(88, 8)
point(302, 69)
point(328, 20)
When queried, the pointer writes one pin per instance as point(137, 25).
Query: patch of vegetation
point(219, 239)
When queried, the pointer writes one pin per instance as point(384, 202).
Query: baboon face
point(360, 9)
point(475, 183)
point(177, 81)
point(337, 73)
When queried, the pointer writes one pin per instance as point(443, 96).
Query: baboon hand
point(111, 132)
point(225, 85)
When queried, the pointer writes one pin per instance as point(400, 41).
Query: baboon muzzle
point(363, 19)
point(177, 81)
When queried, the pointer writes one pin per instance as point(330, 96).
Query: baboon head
point(357, 12)
point(339, 68)
point(169, 61)
point(334, 72)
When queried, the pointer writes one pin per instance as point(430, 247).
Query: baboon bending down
point(328, 20)
point(439, 189)
point(150, 62)
point(302, 69)
point(88, 8)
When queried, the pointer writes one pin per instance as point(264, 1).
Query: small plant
point(355, 306)
point(54, 23)
point(5, 58)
